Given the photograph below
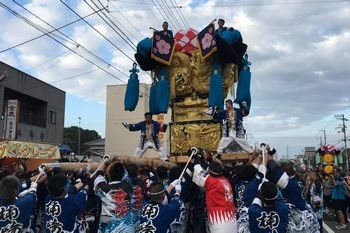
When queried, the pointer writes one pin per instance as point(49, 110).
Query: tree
point(71, 137)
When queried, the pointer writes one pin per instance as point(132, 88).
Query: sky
point(299, 52)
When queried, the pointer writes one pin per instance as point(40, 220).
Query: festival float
point(329, 157)
point(191, 73)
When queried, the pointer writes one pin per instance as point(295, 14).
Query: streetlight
point(79, 137)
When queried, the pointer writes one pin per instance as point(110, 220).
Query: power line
point(103, 16)
point(91, 62)
point(119, 31)
point(64, 54)
point(159, 10)
point(126, 19)
point(64, 79)
point(96, 29)
point(268, 4)
point(133, 46)
point(171, 15)
point(30, 23)
point(177, 9)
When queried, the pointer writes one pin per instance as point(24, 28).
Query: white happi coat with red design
point(219, 201)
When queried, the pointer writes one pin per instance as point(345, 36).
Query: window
point(52, 117)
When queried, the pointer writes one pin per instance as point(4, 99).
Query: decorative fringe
point(222, 216)
point(132, 90)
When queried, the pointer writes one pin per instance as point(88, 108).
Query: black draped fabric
point(230, 53)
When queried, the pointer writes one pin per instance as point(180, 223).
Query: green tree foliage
point(71, 137)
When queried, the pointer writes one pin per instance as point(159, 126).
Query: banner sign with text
point(11, 119)
point(28, 150)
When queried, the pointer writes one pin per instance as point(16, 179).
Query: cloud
point(299, 53)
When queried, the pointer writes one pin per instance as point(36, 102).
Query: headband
point(271, 199)
point(215, 173)
point(152, 194)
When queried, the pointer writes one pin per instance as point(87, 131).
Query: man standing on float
point(149, 136)
point(233, 133)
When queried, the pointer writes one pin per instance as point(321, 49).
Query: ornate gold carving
point(180, 75)
point(189, 78)
point(190, 109)
point(201, 71)
point(185, 136)
point(189, 84)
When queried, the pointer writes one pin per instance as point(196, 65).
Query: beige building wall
point(118, 140)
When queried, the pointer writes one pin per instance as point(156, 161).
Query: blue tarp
point(64, 149)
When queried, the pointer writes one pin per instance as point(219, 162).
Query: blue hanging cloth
point(132, 90)
point(215, 89)
point(153, 98)
point(243, 97)
point(163, 90)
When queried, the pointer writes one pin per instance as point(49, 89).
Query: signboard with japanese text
point(11, 119)
point(28, 150)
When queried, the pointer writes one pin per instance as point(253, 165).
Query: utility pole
point(343, 129)
point(79, 137)
point(324, 137)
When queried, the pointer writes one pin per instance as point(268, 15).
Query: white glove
point(175, 182)
point(262, 181)
point(106, 158)
point(258, 151)
point(41, 169)
point(33, 186)
point(262, 169)
point(23, 193)
point(165, 200)
point(178, 188)
point(88, 168)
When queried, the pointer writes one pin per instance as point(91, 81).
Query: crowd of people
point(207, 195)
